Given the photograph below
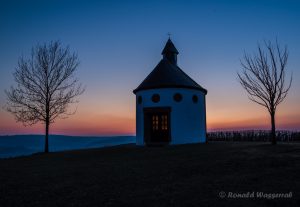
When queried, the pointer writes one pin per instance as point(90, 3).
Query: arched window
point(155, 98)
point(195, 99)
point(177, 97)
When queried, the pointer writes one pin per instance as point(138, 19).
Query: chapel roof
point(168, 75)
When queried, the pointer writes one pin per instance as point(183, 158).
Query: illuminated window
point(164, 122)
point(154, 122)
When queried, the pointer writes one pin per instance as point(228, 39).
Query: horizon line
point(133, 135)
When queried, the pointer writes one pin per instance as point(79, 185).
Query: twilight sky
point(120, 42)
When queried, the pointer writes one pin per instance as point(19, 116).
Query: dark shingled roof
point(168, 75)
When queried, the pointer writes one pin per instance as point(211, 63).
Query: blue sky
point(119, 43)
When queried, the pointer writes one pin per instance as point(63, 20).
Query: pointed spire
point(170, 52)
point(169, 48)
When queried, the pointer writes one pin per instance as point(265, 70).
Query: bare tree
point(264, 78)
point(46, 86)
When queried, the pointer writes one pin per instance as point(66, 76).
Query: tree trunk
point(273, 129)
point(46, 137)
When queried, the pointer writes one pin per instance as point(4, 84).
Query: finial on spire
point(169, 34)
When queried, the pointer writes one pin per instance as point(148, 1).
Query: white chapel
point(170, 106)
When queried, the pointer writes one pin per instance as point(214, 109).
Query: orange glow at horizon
point(263, 123)
point(111, 125)
point(115, 115)
point(103, 126)
point(85, 122)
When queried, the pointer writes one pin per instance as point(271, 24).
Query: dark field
point(186, 175)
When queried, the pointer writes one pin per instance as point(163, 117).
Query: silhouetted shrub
point(253, 135)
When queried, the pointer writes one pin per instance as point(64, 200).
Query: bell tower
point(170, 52)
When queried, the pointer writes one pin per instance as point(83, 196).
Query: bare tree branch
point(46, 86)
point(263, 77)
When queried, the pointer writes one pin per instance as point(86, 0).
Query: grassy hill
point(186, 175)
point(18, 145)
